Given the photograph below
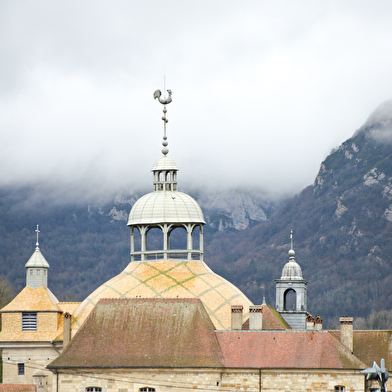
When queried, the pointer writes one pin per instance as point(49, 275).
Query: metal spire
point(291, 238)
point(165, 101)
point(37, 244)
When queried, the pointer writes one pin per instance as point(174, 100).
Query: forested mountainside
point(342, 233)
point(87, 243)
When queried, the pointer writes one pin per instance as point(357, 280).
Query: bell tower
point(291, 292)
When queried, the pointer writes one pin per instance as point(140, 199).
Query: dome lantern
point(166, 209)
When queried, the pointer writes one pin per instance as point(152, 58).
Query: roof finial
point(291, 251)
point(165, 101)
point(37, 244)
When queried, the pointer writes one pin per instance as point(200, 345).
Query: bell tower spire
point(37, 267)
point(291, 292)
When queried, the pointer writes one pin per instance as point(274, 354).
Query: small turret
point(37, 268)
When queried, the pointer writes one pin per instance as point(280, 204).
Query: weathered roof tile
point(285, 349)
point(144, 333)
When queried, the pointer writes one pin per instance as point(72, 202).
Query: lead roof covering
point(165, 207)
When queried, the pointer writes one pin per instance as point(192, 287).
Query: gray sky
point(262, 90)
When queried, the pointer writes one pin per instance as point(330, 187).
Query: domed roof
point(292, 269)
point(164, 163)
point(165, 207)
point(171, 279)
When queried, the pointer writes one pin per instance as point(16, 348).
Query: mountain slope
point(342, 226)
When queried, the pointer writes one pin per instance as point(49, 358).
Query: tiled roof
point(68, 307)
point(144, 333)
point(285, 349)
point(30, 299)
point(171, 279)
point(371, 346)
point(17, 388)
point(272, 320)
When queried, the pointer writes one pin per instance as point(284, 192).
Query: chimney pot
point(236, 317)
point(256, 317)
point(346, 332)
point(67, 329)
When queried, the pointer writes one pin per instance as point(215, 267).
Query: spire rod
point(291, 238)
point(165, 101)
point(37, 244)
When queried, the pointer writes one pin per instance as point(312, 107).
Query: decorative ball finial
point(291, 251)
point(164, 101)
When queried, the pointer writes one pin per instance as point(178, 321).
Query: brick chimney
point(309, 323)
point(346, 332)
point(67, 329)
point(256, 317)
point(236, 317)
point(318, 323)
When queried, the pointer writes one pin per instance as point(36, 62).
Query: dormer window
point(29, 321)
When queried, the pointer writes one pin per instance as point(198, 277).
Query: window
point(29, 321)
point(93, 389)
point(21, 369)
point(339, 388)
point(146, 389)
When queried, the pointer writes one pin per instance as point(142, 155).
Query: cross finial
point(37, 244)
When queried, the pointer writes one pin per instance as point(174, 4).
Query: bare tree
point(7, 292)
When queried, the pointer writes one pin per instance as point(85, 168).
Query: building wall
point(46, 322)
point(35, 360)
point(176, 380)
point(11, 321)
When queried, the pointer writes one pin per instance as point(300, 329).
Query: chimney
point(67, 329)
point(346, 332)
point(256, 317)
point(309, 323)
point(236, 317)
point(318, 323)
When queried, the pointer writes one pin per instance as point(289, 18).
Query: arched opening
point(154, 237)
point(137, 239)
point(160, 176)
point(196, 237)
point(178, 238)
point(289, 300)
point(168, 176)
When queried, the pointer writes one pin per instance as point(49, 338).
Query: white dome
point(164, 163)
point(292, 271)
point(165, 207)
